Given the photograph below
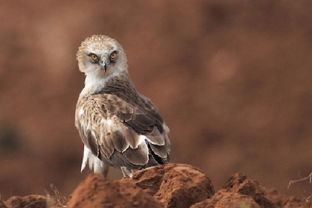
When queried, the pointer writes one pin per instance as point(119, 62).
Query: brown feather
point(120, 143)
point(106, 147)
point(137, 156)
point(155, 137)
point(92, 143)
point(132, 138)
point(161, 151)
point(111, 121)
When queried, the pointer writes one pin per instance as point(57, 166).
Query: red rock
point(2, 205)
point(174, 185)
point(169, 186)
point(30, 201)
point(281, 200)
point(239, 183)
point(97, 192)
point(264, 197)
point(223, 199)
point(241, 192)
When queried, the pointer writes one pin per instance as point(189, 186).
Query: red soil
point(169, 186)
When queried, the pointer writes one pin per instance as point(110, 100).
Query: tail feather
point(154, 159)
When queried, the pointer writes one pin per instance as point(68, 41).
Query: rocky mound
point(169, 186)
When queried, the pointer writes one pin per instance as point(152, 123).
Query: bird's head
point(101, 56)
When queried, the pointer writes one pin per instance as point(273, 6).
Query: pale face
point(101, 56)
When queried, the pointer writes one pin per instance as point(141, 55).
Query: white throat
point(95, 81)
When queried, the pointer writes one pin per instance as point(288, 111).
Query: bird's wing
point(120, 132)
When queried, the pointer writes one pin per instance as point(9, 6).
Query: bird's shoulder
point(121, 100)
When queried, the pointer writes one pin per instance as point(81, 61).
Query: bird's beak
point(103, 65)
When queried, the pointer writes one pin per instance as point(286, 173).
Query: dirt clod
point(174, 185)
point(2, 205)
point(239, 183)
point(96, 192)
point(242, 192)
point(223, 199)
point(30, 201)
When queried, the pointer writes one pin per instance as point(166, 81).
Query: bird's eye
point(94, 58)
point(113, 56)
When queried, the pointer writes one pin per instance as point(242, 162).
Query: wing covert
point(120, 132)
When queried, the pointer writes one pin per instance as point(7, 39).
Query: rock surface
point(169, 186)
point(174, 185)
point(223, 199)
point(30, 201)
point(96, 192)
point(242, 192)
point(2, 205)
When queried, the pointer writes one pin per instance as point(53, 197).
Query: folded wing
point(121, 133)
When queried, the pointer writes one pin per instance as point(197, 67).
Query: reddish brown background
point(231, 78)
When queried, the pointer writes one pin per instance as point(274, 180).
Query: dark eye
point(113, 56)
point(94, 58)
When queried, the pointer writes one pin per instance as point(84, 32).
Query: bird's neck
point(95, 82)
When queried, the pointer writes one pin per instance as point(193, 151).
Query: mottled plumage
point(118, 126)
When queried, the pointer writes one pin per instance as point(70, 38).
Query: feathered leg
point(126, 172)
point(101, 168)
point(94, 163)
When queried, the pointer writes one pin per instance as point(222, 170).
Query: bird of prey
point(118, 126)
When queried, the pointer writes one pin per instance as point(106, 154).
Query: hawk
point(118, 126)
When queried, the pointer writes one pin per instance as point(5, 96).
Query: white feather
point(107, 122)
point(166, 128)
point(98, 165)
point(142, 139)
point(81, 111)
point(86, 155)
point(95, 82)
point(95, 164)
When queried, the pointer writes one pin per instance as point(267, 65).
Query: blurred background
point(231, 78)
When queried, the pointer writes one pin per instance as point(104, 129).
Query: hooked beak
point(103, 65)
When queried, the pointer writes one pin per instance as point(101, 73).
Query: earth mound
point(169, 186)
